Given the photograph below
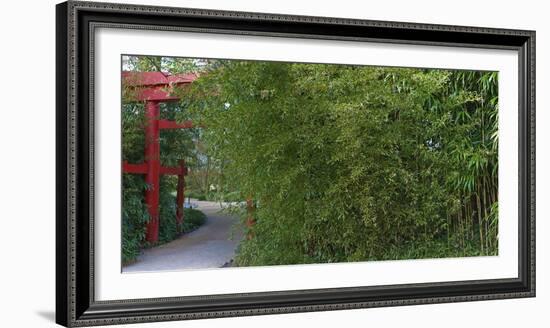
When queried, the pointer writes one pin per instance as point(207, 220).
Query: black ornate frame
point(76, 23)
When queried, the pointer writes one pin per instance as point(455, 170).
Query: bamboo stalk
point(471, 221)
point(448, 229)
point(461, 224)
point(485, 205)
point(479, 221)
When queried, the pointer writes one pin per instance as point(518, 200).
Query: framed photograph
point(215, 163)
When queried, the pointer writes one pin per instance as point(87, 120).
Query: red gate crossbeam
point(134, 168)
point(142, 169)
point(155, 86)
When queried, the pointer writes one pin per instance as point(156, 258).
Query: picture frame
point(76, 25)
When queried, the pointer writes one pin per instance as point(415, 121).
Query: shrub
point(134, 217)
point(168, 229)
point(192, 219)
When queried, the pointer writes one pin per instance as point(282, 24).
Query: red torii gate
point(154, 88)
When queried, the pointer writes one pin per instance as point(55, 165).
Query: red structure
point(154, 88)
point(250, 221)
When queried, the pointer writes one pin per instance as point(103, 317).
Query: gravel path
point(210, 246)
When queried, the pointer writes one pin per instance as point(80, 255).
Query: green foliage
point(168, 229)
point(472, 153)
point(230, 196)
point(134, 216)
point(192, 219)
point(350, 163)
point(172, 65)
point(199, 195)
point(133, 138)
point(134, 211)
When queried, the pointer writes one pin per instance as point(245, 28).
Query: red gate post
point(152, 178)
point(250, 221)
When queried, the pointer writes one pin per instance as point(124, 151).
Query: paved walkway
point(210, 246)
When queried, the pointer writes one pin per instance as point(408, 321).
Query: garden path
point(210, 246)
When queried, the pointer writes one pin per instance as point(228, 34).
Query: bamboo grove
point(350, 163)
point(476, 155)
